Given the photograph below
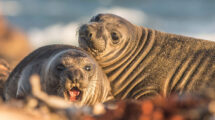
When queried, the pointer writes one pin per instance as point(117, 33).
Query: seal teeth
point(74, 94)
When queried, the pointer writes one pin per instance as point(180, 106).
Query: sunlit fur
point(148, 62)
point(4, 73)
point(93, 84)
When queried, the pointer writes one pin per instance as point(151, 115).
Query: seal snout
point(91, 36)
point(85, 35)
point(85, 32)
point(75, 76)
point(73, 91)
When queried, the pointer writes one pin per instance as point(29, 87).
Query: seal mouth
point(73, 94)
point(88, 46)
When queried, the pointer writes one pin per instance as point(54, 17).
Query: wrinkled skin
point(141, 62)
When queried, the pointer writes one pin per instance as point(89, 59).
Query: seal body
point(143, 62)
point(4, 73)
point(65, 71)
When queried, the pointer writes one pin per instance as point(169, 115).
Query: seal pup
point(65, 71)
point(143, 62)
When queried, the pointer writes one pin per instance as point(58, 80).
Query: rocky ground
point(44, 107)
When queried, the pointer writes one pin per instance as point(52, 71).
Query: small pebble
point(211, 107)
point(99, 109)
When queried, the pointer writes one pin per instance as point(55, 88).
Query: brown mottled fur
point(145, 62)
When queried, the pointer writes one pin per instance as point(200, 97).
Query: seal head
point(106, 36)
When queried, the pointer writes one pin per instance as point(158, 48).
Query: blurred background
point(56, 21)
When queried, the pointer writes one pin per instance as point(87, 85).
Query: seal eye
point(60, 67)
point(87, 68)
point(115, 38)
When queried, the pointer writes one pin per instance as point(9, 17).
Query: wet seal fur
point(143, 62)
point(61, 68)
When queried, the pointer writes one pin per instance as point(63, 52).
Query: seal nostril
point(70, 77)
point(75, 80)
point(90, 35)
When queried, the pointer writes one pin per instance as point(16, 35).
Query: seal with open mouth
point(143, 62)
point(65, 71)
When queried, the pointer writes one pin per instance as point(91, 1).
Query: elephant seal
point(143, 62)
point(65, 71)
point(4, 73)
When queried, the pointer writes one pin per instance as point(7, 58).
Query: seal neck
point(124, 73)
